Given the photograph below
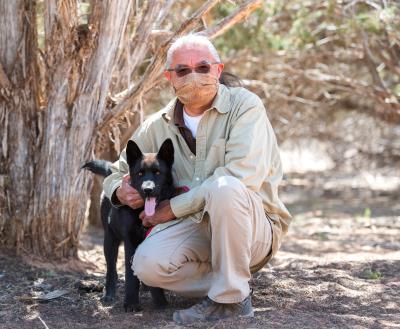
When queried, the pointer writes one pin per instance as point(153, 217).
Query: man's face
point(189, 56)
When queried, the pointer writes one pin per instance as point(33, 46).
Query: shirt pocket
point(215, 157)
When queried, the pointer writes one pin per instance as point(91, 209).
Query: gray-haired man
point(208, 241)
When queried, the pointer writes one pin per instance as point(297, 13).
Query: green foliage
point(49, 274)
point(84, 12)
point(368, 21)
point(397, 89)
point(40, 25)
point(294, 24)
point(251, 34)
point(371, 274)
point(367, 213)
point(321, 236)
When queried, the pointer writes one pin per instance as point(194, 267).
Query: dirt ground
point(338, 268)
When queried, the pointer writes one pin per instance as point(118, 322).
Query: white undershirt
point(191, 122)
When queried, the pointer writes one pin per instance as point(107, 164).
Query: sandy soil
point(338, 268)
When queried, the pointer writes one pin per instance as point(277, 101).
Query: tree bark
point(19, 116)
point(45, 191)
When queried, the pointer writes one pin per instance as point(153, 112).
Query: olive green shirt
point(234, 138)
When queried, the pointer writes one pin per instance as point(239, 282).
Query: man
point(208, 241)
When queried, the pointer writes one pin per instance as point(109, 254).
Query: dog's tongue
point(150, 206)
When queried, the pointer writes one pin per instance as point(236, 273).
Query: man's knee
point(147, 266)
point(225, 189)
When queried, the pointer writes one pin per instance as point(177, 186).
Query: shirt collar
point(174, 109)
point(221, 101)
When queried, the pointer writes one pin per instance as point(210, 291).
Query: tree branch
point(370, 61)
point(390, 110)
point(139, 42)
point(113, 21)
point(238, 15)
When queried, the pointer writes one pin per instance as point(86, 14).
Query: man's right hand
point(129, 196)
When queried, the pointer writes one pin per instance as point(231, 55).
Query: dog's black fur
point(124, 224)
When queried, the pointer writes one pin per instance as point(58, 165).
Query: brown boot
point(209, 310)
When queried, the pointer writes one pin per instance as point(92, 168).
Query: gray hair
point(191, 40)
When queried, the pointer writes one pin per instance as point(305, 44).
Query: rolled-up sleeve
point(112, 182)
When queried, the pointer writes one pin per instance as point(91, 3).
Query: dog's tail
point(99, 167)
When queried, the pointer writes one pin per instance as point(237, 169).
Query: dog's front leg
point(131, 281)
point(159, 300)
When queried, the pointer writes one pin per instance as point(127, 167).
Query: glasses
point(203, 68)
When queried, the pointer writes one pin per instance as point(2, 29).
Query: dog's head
point(150, 172)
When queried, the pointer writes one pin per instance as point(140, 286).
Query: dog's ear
point(133, 153)
point(166, 152)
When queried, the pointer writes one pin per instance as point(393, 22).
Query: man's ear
point(133, 153)
point(167, 74)
point(166, 152)
point(220, 68)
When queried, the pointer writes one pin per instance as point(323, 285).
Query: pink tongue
point(150, 206)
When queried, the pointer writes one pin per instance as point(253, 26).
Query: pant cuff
point(232, 300)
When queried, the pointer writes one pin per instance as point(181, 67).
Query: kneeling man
point(209, 240)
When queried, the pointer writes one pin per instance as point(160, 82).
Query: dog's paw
point(107, 299)
point(132, 307)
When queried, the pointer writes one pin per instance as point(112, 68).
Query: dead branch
point(139, 41)
point(370, 61)
point(237, 16)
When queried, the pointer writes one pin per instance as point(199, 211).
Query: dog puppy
point(151, 175)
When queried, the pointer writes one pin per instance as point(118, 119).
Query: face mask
point(196, 89)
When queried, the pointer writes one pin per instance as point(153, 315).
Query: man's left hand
point(163, 214)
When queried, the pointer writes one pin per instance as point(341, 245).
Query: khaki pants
point(212, 257)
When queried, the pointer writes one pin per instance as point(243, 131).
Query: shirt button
point(191, 156)
point(197, 178)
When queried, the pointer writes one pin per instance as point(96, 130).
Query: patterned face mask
point(196, 89)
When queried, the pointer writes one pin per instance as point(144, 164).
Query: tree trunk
point(45, 192)
point(18, 116)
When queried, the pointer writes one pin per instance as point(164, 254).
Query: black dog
point(150, 174)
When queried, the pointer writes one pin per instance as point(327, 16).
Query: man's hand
point(163, 214)
point(128, 196)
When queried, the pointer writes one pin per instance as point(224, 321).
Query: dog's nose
point(148, 186)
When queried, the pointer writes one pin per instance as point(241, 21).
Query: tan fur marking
point(149, 160)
